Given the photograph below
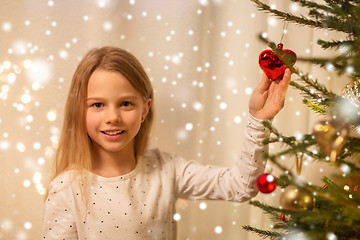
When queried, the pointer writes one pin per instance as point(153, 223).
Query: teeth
point(113, 132)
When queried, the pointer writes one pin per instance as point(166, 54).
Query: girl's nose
point(113, 116)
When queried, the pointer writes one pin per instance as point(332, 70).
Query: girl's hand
point(269, 96)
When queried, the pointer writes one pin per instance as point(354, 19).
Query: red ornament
point(273, 67)
point(266, 183)
point(354, 183)
point(282, 216)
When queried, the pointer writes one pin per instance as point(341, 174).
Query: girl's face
point(115, 111)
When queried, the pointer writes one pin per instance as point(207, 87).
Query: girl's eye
point(126, 104)
point(98, 105)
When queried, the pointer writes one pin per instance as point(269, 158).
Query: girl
point(106, 185)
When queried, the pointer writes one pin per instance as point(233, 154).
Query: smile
point(113, 132)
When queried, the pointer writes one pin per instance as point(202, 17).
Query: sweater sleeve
point(58, 214)
point(238, 183)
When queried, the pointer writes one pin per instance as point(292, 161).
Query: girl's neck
point(113, 164)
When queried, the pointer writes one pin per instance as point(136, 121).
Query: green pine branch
point(303, 146)
point(315, 107)
point(353, 145)
point(263, 233)
point(336, 197)
point(325, 217)
point(283, 181)
point(294, 144)
point(287, 16)
point(313, 5)
point(332, 2)
point(348, 45)
point(316, 14)
point(314, 84)
point(324, 23)
point(265, 207)
point(306, 92)
point(338, 64)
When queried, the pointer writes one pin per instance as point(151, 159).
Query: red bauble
point(266, 183)
point(273, 67)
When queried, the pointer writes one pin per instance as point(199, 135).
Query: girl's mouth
point(112, 133)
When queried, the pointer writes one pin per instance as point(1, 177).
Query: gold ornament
point(296, 199)
point(331, 136)
point(352, 92)
point(298, 160)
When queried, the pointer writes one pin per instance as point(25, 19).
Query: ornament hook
point(283, 30)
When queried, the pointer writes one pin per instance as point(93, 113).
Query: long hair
point(74, 148)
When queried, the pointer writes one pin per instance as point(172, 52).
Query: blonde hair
point(75, 146)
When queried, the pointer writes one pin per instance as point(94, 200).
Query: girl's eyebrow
point(102, 99)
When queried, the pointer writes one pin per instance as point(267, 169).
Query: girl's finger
point(264, 83)
point(284, 83)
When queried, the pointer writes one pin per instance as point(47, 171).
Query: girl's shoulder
point(63, 181)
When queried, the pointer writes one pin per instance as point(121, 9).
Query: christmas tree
point(331, 210)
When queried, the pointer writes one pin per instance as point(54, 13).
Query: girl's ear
point(147, 106)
